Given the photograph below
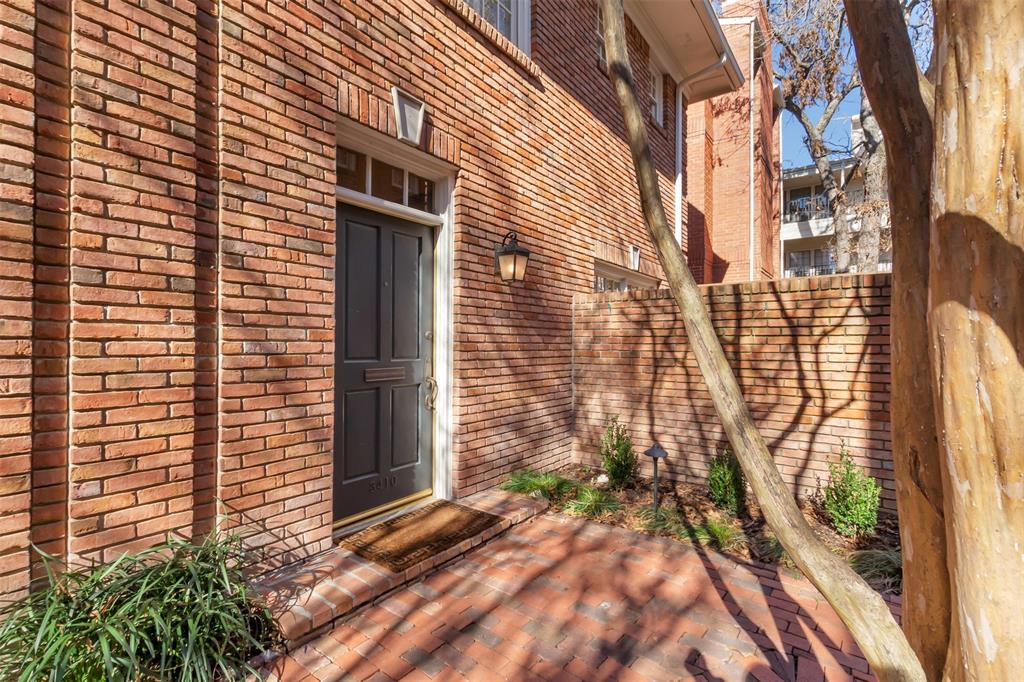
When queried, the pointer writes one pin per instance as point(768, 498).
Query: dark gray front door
point(383, 449)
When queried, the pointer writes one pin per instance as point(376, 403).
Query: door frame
point(363, 139)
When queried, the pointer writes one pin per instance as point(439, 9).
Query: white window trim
point(633, 278)
point(519, 24)
point(658, 96)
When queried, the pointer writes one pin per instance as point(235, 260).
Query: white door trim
point(444, 244)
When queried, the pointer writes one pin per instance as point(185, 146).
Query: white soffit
point(686, 40)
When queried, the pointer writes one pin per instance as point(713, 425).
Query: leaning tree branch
point(860, 607)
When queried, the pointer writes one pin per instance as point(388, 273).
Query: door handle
point(430, 400)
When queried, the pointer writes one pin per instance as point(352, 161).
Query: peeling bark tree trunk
point(860, 607)
point(903, 111)
point(975, 319)
point(976, 323)
point(875, 214)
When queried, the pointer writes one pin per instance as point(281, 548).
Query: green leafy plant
point(178, 611)
point(718, 533)
point(881, 568)
point(726, 485)
point(592, 502)
point(664, 520)
point(851, 497)
point(550, 486)
point(617, 456)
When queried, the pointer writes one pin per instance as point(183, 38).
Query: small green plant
point(721, 534)
point(851, 497)
point(617, 456)
point(881, 568)
point(665, 520)
point(178, 611)
point(592, 502)
point(726, 485)
point(549, 485)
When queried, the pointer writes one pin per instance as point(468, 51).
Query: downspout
point(680, 128)
point(750, 113)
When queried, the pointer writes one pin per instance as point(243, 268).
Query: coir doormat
point(406, 540)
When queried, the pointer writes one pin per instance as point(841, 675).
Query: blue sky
point(794, 151)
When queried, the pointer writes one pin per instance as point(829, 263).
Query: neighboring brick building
point(173, 313)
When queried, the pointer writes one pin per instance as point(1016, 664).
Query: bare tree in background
point(817, 70)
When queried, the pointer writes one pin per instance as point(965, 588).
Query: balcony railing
point(804, 214)
point(811, 270)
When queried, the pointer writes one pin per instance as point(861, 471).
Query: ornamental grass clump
point(617, 455)
point(851, 497)
point(549, 485)
point(178, 611)
point(591, 502)
point(726, 485)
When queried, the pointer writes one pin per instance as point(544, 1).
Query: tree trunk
point(976, 324)
point(874, 213)
point(902, 108)
point(860, 607)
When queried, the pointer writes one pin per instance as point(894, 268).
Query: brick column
point(133, 276)
point(277, 211)
point(17, 196)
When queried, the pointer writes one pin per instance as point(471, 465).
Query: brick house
point(228, 288)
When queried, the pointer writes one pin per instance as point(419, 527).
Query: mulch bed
point(692, 503)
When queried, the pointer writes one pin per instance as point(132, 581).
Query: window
point(602, 58)
point(510, 17)
point(657, 95)
point(360, 173)
point(610, 277)
point(810, 262)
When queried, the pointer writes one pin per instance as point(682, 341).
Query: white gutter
point(749, 21)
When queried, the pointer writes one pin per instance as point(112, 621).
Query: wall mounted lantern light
point(656, 452)
point(510, 259)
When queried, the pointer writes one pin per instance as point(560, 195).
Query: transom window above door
point(362, 173)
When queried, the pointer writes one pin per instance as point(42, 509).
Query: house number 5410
point(383, 482)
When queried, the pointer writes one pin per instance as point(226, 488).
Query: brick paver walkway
point(565, 599)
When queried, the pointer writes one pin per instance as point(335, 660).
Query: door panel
point(383, 446)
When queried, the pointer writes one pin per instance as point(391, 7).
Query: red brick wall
point(167, 335)
point(732, 156)
point(542, 152)
point(811, 355)
point(17, 198)
point(167, 225)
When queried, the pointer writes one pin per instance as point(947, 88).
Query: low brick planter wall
point(811, 355)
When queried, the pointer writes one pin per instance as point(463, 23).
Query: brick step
point(308, 598)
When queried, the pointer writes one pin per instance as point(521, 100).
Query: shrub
point(178, 611)
point(851, 497)
point(592, 502)
point(726, 485)
point(718, 533)
point(550, 486)
point(617, 456)
point(881, 568)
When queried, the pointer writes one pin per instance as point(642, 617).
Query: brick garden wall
point(811, 355)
